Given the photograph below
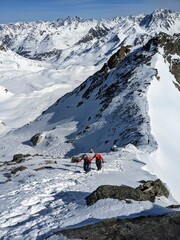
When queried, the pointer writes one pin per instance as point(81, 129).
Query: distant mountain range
point(74, 37)
point(111, 106)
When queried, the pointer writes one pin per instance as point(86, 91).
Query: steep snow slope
point(108, 108)
point(29, 87)
point(75, 49)
point(164, 105)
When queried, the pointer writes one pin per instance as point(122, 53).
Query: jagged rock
point(151, 227)
point(120, 54)
point(44, 167)
point(151, 189)
point(173, 206)
point(171, 46)
point(36, 139)
point(2, 48)
point(50, 162)
point(17, 169)
point(147, 191)
point(18, 158)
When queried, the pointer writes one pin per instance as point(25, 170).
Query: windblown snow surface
point(35, 204)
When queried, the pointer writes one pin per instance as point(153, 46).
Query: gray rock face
point(146, 228)
point(36, 139)
point(17, 169)
point(147, 191)
point(18, 158)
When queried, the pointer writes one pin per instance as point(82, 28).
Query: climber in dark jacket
point(87, 162)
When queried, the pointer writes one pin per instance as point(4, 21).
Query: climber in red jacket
point(99, 160)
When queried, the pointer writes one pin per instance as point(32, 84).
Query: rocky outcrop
point(2, 47)
point(18, 158)
point(174, 206)
point(171, 46)
point(17, 169)
point(119, 55)
point(36, 139)
point(147, 191)
point(151, 227)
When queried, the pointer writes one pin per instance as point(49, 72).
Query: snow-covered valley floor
point(35, 204)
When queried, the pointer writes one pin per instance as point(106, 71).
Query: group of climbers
point(87, 161)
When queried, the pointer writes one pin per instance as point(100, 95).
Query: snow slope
point(164, 105)
point(73, 49)
point(28, 87)
point(117, 113)
point(36, 204)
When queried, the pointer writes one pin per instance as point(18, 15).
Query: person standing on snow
point(99, 160)
point(87, 162)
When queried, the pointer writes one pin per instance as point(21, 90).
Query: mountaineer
point(87, 162)
point(99, 160)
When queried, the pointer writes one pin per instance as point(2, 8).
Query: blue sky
point(30, 10)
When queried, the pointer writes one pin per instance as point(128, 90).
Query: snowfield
point(164, 111)
point(35, 204)
point(28, 87)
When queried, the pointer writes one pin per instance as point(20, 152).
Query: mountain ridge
point(45, 35)
point(116, 97)
point(76, 85)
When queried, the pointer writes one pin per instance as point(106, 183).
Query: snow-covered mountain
point(75, 36)
point(78, 84)
point(70, 50)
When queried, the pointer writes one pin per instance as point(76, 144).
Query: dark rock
point(18, 158)
point(152, 189)
point(171, 45)
point(2, 48)
point(36, 139)
point(173, 206)
point(119, 55)
point(50, 162)
point(17, 169)
point(147, 191)
point(146, 228)
point(44, 167)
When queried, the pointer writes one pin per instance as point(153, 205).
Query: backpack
point(75, 159)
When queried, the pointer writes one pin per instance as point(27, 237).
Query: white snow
point(36, 204)
point(28, 87)
point(164, 105)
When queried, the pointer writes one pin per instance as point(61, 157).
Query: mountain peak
point(164, 11)
point(159, 19)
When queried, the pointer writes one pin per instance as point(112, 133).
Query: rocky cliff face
point(156, 227)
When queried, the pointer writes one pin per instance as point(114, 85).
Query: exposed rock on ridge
point(147, 191)
point(152, 227)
